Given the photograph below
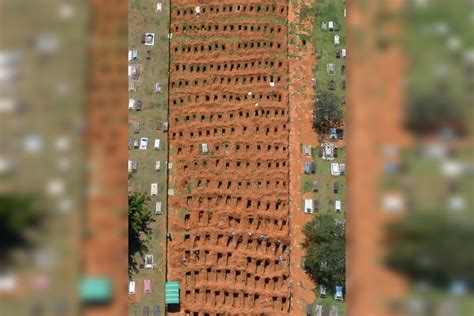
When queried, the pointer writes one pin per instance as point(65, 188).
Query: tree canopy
point(327, 111)
point(428, 112)
point(432, 246)
point(139, 220)
point(19, 214)
point(325, 251)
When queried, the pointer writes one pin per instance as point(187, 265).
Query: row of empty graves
point(227, 301)
point(229, 139)
point(216, 9)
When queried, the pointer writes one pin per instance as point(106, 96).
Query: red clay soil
point(374, 117)
point(229, 214)
point(105, 250)
point(301, 132)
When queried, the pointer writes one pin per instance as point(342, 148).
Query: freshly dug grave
point(229, 212)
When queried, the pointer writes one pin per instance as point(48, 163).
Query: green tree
point(139, 230)
point(432, 246)
point(428, 112)
point(325, 251)
point(19, 216)
point(327, 111)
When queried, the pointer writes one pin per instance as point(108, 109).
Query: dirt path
point(301, 98)
point(374, 120)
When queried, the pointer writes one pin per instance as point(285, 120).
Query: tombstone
point(319, 54)
point(204, 149)
point(321, 151)
point(340, 133)
point(342, 167)
point(158, 88)
point(134, 166)
point(316, 205)
point(331, 26)
point(132, 86)
point(136, 128)
point(330, 68)
point(134, 72)
point(149, 39)
point(315, 186)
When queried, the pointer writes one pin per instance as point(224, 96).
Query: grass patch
point(331, 10)
point(326, 195)
point(330, 301)
point(307, 186)
point(144, 18)
point(182, 212)
point(427, 185)
point(191, 186)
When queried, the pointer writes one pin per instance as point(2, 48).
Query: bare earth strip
point(301, 95)
point(374, 121)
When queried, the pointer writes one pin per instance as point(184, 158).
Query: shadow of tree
point(20, 218)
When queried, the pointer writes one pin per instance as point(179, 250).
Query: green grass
point(330, 301)
point(436, 298)
point(143, 18)
point(307, 186)
point(427, 185)
point(326, 196)
point(330, 10)
point(183, 212)
point(430, 50)
point(38, 87)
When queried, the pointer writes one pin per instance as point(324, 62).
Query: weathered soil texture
point(302, 96)
point(229, 213)
point(374, 120)
point(104, 251)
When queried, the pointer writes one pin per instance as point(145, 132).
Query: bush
point(326, 251)
point(327, 111)
point(429, 112)
point(19, 217)
point(432, 246)
point(139, 219)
